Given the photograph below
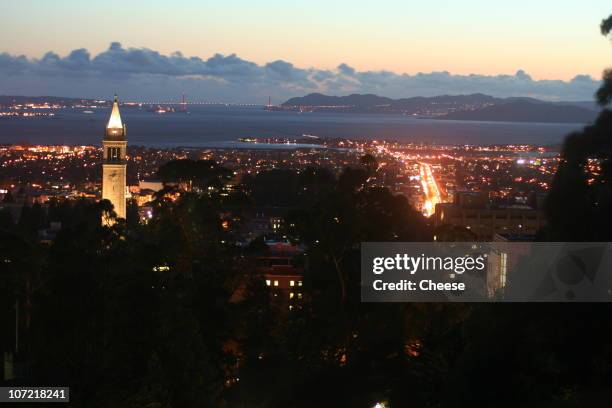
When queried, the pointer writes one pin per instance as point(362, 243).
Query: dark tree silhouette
point(579, 205)
point(604, 94)
point(196, 173)
point(370, 163)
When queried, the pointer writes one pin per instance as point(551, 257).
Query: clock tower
point(113, 162)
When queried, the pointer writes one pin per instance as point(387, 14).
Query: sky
point(242, 51)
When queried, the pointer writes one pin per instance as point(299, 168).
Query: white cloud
point(134, 72)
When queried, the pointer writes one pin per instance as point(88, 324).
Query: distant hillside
point(317, 99)
point(19, 99)
point(524, 111)
point(373, 103)
point(456, 107)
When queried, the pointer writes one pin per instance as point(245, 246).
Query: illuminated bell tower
point(113, 162)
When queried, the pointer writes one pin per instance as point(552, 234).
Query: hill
point(524, 111)
point(451, 107)
point(62, 100)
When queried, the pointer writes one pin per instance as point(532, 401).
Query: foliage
point(197, 173)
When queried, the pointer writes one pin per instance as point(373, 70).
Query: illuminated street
point(430, 189)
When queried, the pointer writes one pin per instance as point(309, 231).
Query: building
point(113, 162)
point(505, 252)
point(474, 212)
point(283, 274)
point(283, 278)
point(150, 185)
point(265, 220)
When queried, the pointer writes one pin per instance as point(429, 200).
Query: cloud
point(146, 73)
point(346, 69)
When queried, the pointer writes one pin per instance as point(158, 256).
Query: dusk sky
point(245, 50)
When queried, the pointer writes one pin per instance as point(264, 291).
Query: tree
point(577, 191)
point(107, 212)
point(102, 304)
point(604, 94)
point(8, 198)
point(563, 348)
point(278, 187)
point(6, 219)
point(32, 219)
point(132, 215)
point(197, 173)
point(370, 163)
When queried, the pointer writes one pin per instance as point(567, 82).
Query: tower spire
point(114, 122)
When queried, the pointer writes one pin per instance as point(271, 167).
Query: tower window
point(113, 154)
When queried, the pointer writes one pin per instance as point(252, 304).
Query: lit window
point(291, 295)
point(275, 283)
point(299, 295)
point(503, 269)
point(268, 282)
point(299, 283)
point(291, 283)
